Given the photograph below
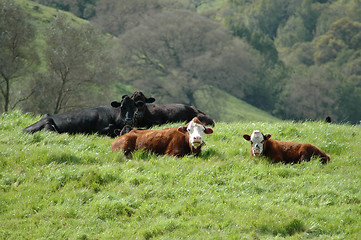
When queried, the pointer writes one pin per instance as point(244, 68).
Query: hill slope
point(217, 103)
point(224, 107)
point(61, 186)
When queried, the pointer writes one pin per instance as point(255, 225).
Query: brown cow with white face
point(286, 152)
point(177, 141)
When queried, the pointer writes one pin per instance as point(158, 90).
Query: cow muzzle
point(256, 151)
point(196, 141)
point(138, 115)
point(128, 121)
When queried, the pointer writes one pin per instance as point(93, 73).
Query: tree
point(309, 94)
point(16, 53)
point(349, 98)
point(343, 34)
point(117, 16)
point(174, 53)
point(78, 66)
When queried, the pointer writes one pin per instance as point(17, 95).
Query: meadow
point(60, 186)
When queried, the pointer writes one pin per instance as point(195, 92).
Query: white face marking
point(257, 141)
point(195, 132)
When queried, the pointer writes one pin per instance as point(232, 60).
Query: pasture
point(73, 187)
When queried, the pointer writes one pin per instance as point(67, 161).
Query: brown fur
point(290, 152)
point(172, 141)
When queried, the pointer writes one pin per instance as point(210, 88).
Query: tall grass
point(73, 187)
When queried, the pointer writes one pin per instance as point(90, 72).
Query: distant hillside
point(215, 102)
point(224, 107)
point(43, 14)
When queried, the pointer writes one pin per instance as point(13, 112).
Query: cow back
point(159, 141)
point(292, 152)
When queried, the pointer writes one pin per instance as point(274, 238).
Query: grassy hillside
point(224, 107)
point(43, 14)
point(73, 187)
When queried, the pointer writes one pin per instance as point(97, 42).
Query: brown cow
point(177, 141)
point(286, 152)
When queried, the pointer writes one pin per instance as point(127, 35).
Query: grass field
point(73, 187)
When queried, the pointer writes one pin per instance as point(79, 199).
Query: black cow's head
point(127, 109)
point(140, 102)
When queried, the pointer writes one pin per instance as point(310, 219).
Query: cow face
point(127, 109)
point(257, 140)
point(141, 103)
point(195, 130)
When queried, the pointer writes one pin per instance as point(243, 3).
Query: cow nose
point(138, 115)
point(199, 138)
point(128, 121)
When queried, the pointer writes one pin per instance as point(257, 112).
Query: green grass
point(73, 187)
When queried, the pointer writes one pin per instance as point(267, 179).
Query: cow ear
point(116, 104)
point(182, 129)
point(267, 136)
point(247, 137)
point(208, 130)
point(149, 100)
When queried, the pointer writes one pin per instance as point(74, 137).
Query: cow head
point(195, 130)
point(257, 140)
point(127, 109)
point(140, 102)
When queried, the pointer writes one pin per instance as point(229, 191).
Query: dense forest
point(293, 59)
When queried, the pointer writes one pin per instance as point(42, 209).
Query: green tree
point(310, 93)
point(17, 53)
point(174, 53)
point(118, 16)
point(79, 69)
point(349, 99)
point(343, 34)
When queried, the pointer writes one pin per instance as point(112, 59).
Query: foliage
point(73, 186)
point(16, 56)
point(187, 52)
point(76, 62)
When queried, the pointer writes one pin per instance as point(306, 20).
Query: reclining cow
point(286, 152)
point(176, 141)
point(103, 120)
point(158, 114)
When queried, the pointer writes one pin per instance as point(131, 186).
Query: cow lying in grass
point(177, 141)
point(286, 152)
point(103, 120)
point(158, 114)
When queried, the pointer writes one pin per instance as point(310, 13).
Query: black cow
point(157, 114)
point(104, 120)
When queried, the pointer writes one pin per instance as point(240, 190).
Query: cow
point(328, 119)
point(285, 152)
point(103, 120)
point(158, 114)
point(176, 141)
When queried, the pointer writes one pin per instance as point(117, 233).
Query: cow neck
point(116, 116)
point(144, 121)
point(267, 147)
